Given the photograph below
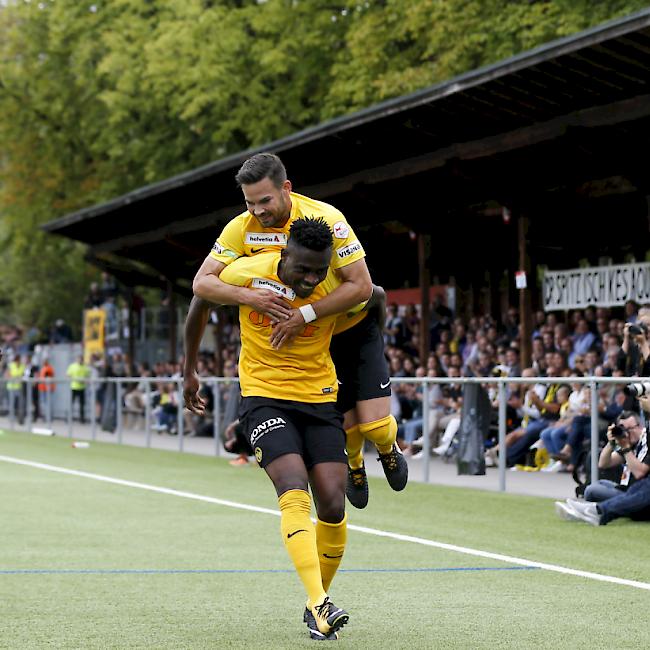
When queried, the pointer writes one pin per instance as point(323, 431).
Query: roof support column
point(525, 316)
point(424, 251)
point(172, 320)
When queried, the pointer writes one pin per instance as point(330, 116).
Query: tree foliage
point(98, 97)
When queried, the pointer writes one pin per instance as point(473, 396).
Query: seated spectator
point(583, 339)
point(538, 411)
point(410, 430)
point(512, 362)
point(555, 436)
point(395, 330)
point(167, 410)
point(609, 408)
point(451, 402)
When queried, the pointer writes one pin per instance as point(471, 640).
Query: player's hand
point(193, 401)
point(286, 331)
point(268, 302)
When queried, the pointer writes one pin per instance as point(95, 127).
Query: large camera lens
point(638, 389)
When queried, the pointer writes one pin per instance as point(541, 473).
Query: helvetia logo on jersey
point(266, 427)
point(348, 250)
point(271, 238)
point(340, 230)
point(276, 287)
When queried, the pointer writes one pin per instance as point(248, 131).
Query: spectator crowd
point(554, 418)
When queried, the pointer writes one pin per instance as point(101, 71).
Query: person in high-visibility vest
point(79, 372)
point(15, 373)
point(46, 389)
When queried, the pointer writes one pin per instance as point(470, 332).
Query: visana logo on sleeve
point(276, 287)
point(348, 250)
point(268, 238)
point(266, 427)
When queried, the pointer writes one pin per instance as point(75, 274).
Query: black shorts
point(361, 365)
point(276, 427)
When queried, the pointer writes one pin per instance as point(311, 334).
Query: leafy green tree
point(400, 46)
point(98, 97)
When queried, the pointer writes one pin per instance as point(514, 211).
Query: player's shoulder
point(246, 268)
point(309, 207)
point(261, 264)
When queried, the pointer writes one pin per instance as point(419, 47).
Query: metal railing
point(217, 383)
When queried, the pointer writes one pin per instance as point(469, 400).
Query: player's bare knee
point(332, 512)
point(284, 484)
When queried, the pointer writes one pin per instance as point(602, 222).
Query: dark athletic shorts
point(361, 366)
point(276, 427)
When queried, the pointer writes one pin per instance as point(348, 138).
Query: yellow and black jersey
point(302, 371)
point(244, 235)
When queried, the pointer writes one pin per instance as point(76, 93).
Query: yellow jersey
point(245, 236)
point(302, 371)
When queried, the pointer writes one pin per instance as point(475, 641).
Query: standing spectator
point(94, 298)
point(46, 389)
point(109, 287)
point(61, 332)
point(31, 372)
point(15, 373)
point(112, 323)
point(79, 373)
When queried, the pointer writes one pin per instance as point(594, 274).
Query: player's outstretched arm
point(195, 322)
point(356, 287)
point(208, 286)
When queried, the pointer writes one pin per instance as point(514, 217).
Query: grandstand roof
point(560, 133)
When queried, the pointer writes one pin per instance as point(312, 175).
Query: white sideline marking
point(361, 529)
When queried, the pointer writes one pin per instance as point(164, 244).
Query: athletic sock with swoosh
point(299, 537)
point(330, 540)
point(382, 432)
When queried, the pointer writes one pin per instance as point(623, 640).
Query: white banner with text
point(601, 286)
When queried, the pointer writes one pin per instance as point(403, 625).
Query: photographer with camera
point(627, 445)
point(634, 356)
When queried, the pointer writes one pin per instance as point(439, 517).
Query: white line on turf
point(361, 529)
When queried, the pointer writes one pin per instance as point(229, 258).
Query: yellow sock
point(299, 536)
point(330, 540)
point(382, 432)
point(354, 446)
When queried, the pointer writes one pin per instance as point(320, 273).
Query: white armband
point(308, 313)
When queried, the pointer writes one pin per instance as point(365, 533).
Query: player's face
point(303, 269)
point(269, 204)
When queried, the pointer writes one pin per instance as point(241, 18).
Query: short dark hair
point(312, 233)
point(629, 414)
point(259, 167)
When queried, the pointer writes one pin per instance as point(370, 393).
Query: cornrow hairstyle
point(259, 167)
point(312, 233)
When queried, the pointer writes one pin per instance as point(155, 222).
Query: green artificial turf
point(399, 594)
